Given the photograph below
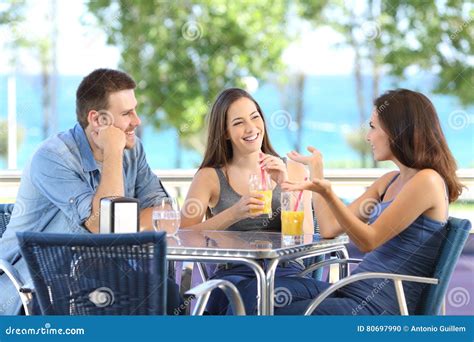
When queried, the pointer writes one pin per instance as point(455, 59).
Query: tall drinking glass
point(261, 184)
point(292, 217)
point(166, 216)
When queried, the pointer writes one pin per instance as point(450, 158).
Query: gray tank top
point(228, 197)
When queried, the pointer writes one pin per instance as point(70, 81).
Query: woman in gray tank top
point(238, 146)
point(219, 197)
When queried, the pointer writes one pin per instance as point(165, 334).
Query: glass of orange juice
point(292, 217)
point(261, 184)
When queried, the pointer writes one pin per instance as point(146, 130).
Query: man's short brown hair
point(94, 90)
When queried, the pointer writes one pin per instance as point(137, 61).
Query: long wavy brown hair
point(416, 138)
point(218, 148)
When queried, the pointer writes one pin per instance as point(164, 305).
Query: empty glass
point(166, 216)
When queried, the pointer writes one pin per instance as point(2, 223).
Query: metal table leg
point(262, 286)
point(270, 276)
point(262, 300)
point(343, 268)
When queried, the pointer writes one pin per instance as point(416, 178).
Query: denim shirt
point(56, 192)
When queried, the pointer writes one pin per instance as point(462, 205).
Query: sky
point(82, 48)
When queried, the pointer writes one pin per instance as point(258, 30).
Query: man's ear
point(93, 119)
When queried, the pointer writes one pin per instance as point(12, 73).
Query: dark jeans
point(292, 295)
point(336, 304)
point(244, 278)
point(174, 301)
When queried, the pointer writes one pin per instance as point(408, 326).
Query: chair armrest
point(12, 274)
point(203, 291)
point(397, 278)
point(25, 293)
point(324, 263)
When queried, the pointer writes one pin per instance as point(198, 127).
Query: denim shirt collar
point(88, 162)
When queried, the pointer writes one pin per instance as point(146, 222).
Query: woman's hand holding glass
point(248, 206)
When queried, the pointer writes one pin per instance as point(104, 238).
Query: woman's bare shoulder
point(428, 177)
point(206, 175)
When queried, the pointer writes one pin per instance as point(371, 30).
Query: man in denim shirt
point(63, 183)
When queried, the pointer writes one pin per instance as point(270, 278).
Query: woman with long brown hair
point(238, 146)
point(399, 221)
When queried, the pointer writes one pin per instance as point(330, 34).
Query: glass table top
point(246, 244)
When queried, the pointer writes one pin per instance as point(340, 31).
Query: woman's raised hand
point(314, 161)
point(321, 186)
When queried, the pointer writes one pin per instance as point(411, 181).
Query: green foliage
point(4, 137)
point(183, 53)
point(433, 36)
point(11, 11)
point(12, 15)
point(400, 35)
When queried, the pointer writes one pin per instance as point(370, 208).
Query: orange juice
point(292, 222)
point(267, 199)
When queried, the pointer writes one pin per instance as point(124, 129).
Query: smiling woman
point(245, 124)
point(229, 113)
point(400, 221)
point(238, 148)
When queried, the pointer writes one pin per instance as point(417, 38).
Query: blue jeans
point(244, 279)
point(292, 295)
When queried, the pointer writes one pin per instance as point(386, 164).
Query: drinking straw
point(264, 181)
point(262, 172)
point(300, 194)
